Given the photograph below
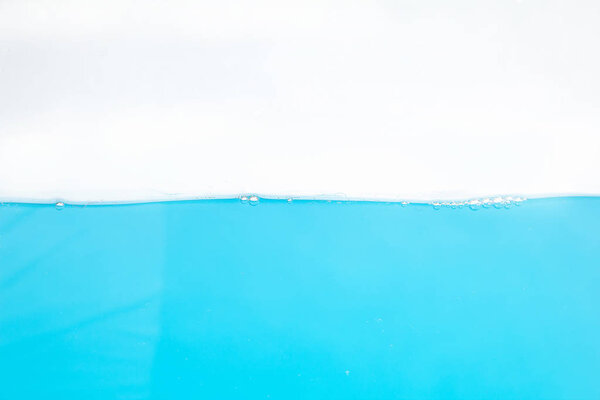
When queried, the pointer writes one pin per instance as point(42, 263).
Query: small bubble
point(498, 202)
point(289, 201)
point(244, 199)
point(474, 204)
point(60, 205)
point(347, 372)
point(436, 205)
point(253, 200)
point(518, 200)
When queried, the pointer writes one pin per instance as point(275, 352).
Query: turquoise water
point(308, 300)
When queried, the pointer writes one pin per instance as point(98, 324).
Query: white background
point(420, 100)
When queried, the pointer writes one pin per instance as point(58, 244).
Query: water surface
point(269, 299)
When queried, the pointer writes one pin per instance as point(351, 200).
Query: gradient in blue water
point(308, 300)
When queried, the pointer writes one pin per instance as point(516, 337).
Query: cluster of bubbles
point(252, 200)
point(476, 204)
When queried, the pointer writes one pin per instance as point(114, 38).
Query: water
point(300, 300)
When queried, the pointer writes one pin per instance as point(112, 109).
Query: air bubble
point(289, 201)
point(404, 203)
point(474, 204)
point(60, 205)
point(244, 199)
point(436, 205)
point(253, 200)
point(498, 202)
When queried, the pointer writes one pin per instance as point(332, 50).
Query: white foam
point(111, 101)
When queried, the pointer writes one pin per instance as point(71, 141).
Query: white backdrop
point(144, 100)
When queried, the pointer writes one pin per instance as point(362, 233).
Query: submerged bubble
point(60, 205)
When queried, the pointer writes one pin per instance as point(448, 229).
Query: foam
point(126, 101)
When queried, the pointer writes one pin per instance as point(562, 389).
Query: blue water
point(308, 300)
